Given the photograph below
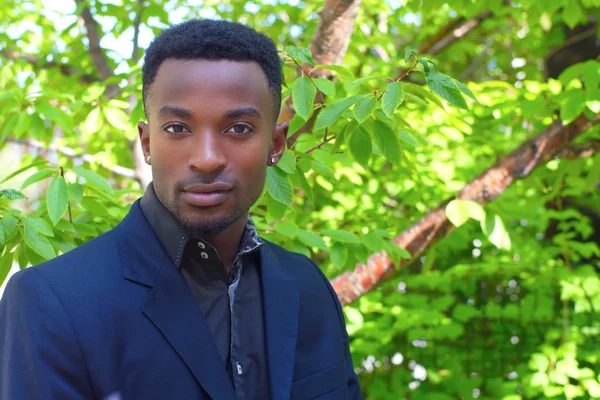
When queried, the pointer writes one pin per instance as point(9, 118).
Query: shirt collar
point(172, 235)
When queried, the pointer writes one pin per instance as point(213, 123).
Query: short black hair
point(213, 40)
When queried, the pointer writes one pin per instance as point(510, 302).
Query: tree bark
point(328, 46)
point(490, 184)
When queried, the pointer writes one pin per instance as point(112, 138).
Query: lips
point(207, 195)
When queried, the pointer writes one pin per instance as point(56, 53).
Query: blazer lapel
point(281, 298)
point(171, 306)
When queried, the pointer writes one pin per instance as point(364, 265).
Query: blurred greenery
point(503, 313)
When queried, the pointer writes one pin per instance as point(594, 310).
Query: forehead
point(198, 81)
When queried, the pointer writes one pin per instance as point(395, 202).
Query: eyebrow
point(177, 111)
point(243, 112)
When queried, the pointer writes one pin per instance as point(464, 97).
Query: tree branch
point(96, 53)
point(328, 46)
point(583, 150)
point(72, 153)
point(453, 31)
point(485, 188)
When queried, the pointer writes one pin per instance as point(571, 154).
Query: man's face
point(210, 135)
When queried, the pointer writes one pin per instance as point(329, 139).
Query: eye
point(176, 129)
point(240, 129)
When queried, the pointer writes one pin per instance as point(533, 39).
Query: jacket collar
point(171, 306)
point(173, 236)
point(173, 310)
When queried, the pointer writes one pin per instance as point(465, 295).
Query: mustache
point(205, 180)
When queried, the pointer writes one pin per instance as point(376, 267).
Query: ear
point(278, 142)
point(144, 132)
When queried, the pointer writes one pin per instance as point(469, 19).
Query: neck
point(227, 243)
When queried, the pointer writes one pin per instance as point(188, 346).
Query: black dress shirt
point(230, 303)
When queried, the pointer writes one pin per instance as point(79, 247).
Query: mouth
point(207, 195)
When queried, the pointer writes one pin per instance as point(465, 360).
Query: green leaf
point(9, 124)
point(414, 98)
point(3, 238)
point(38, 243)
point(408, 53)
point(423, 94)
point(93, 92)
point(303, 96)
point(57, 199)
point(392, 98)
point(311, 239)
point(361, 146)
point(278, 185)
point(300, 53)
point(333, 111)
point(306, 188)
point(325, 86)
point(22, 125)
point(9, 226)
point(25, 168)
point(6, 262)
point(12, 194)
point(286, 228)
point(387, 141)
point(336, 68)
point(364, 108)
point(406, 137)
point(39, 225)
point(288, 162)
point(374, 241)
point(459, 211)
point(494, 229)
point(446, 88)
point(464, 313)
point(339, 254)
point(341, 236)
point(573, 104)
point(296, 123)
point(75, 192)
point(324, 170)
point(37, 176)
point(93, 121)
point(573, 14)
point(55, 114)
point(117, 118)
point(465, 90)
point(93, 179)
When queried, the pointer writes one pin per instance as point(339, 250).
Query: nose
point(207, 154)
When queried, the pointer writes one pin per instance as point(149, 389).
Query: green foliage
point(506, 307)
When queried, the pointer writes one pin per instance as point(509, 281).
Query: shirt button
point(201, 245)
point(204, 255)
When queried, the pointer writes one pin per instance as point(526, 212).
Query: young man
point(183, 299)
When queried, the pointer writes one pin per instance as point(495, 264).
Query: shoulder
point(85, 266)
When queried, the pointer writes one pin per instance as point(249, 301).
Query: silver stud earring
point(272, 160)
point(148, 159)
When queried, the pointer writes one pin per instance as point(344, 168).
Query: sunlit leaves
point(57, 199)
point(360, 146)
point(392, 98)
point(364, 108)
point(94, 179)
point(387, 141)
point(333, 111)
point(446, 88)
point(303, 94)
point(278, 185)
point(12, 194)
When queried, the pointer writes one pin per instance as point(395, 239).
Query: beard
point(206, 227)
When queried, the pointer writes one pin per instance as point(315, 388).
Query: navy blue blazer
point(114, 319)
